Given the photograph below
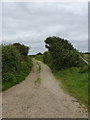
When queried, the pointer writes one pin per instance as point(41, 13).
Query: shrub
point(23, 50)
point(10, 59)
point(8, 77)
point(15, 67)
point(47, 57)
point(63, 54)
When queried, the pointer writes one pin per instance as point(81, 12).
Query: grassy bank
point(75, 83)
point(16, 65)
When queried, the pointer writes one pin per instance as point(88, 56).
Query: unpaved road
point(43, 99)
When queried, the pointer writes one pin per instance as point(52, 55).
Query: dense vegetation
point(23, 50)
point(66, 65)
point(62, 53)
point(16, 64)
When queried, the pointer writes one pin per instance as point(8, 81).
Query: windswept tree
point(63, 54)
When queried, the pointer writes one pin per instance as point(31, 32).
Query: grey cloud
point(31, 23)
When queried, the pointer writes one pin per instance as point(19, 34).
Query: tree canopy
point(22, 48)
point(63, 54)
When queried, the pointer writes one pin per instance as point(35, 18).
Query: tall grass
point(75, 83)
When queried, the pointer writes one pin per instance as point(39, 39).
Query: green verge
point(75, 83)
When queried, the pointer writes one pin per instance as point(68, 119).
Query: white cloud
point(45, 0)
point(31, 23)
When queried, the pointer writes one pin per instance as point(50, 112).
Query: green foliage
point(39, 57)
point(75, 83)
point(62, 53)
point(10, 59)
point(8, 77)
point(47, 57)
point(23, 50)
point(15, 66)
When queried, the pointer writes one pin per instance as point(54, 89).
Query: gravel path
point(40, 96)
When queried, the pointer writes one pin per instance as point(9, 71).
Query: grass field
point(75, 83)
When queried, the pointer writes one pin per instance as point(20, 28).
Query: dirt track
point(44, 99)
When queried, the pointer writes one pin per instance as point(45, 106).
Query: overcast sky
point(31, 23)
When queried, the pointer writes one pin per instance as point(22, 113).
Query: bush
point(10, 59)
point(47, 57)
point(8, 77)
point(15, 66)
point(23, 50)
point(62, 53)
point(26, 65)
